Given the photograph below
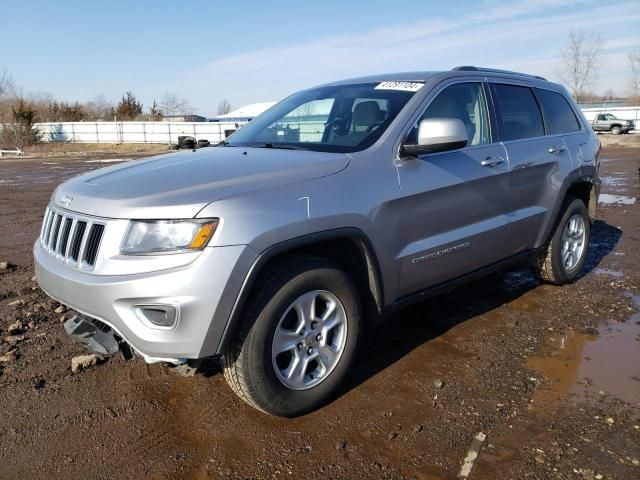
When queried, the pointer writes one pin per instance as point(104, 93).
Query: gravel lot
point(551, 375)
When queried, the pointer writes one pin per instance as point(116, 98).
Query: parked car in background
point(607, 122)
point(280, 248)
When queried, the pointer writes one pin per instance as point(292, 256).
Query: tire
point(555, 266)
point(615, 130)
point(252, 365)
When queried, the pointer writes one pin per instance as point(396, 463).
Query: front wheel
point(298, 338)
point(615, 130)
point(566, 253)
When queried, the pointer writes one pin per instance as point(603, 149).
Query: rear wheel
point(297, 339)
point(566, 253)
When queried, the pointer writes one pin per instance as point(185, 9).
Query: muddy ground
point(551, 376)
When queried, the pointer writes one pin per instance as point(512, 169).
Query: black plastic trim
point(470, 68)
point(452, 284)
point(290, 245)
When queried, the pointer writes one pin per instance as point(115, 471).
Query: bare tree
point(634, 79)
point(610, 94)
point(44, 104)
point(154, 111)
point(172, 104)
point(581, 60)
point(224, 107)
point(99, 108)
point(6, 82)
point(7, 87)
point(22, 131)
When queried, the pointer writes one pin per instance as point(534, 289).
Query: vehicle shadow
point(425, 321)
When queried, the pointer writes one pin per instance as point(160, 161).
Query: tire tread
point(544, 263)
point(264, 289)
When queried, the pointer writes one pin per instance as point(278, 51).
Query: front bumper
point(203, 292)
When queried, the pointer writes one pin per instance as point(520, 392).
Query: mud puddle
point(608, 272)
point(610, 199)
point(604, 361)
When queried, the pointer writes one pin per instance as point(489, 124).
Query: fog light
point(162, 316)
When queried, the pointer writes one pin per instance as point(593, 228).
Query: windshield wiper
point(279, 146)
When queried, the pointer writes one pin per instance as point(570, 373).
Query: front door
point(453, 205)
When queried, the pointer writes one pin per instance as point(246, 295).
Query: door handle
point(556, 149)
point(492, 161)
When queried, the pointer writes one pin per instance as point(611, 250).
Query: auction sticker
point(404, 86)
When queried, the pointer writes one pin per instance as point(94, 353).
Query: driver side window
point(467, 103)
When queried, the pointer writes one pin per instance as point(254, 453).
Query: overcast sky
point(254, 51)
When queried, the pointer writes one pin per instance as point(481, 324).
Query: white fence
point(624, 113)
point(134, 132)
point(168, 132)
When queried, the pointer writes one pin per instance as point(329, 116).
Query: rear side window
point(520, 114)
point(559, 114)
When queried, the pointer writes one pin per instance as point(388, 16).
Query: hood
point(179, 185)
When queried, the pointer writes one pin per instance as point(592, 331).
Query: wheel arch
point(585, 191)
point(586, 188)
point(348, 247)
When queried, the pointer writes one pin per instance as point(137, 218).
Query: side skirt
point(447, 286)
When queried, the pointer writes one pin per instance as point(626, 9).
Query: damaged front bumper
point(200, 295)
point(96, 336)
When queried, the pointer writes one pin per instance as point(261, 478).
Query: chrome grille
point(71, 238)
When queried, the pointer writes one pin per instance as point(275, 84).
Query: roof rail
point(469, 68)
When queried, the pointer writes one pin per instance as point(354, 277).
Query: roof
point(388, 77)
point(422, 76)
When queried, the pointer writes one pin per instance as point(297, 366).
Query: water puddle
point(109, 160)
point(609, 199)
point(584, 365)
point(608, 272)
point(518, 279)
point(609, 160)
point(613, 181)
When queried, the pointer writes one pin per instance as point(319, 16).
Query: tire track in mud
point(182, 423)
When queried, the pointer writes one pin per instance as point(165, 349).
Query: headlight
point(166, 236)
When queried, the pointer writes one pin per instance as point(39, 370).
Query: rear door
point(562, 122)
point(452, 205)
point(534, 160)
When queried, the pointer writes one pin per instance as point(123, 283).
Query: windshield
point(340, 118)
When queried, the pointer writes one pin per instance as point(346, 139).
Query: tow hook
point(96, 336)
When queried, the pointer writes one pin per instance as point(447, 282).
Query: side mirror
point(438, 135)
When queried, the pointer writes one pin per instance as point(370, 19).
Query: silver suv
point(335, 207)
